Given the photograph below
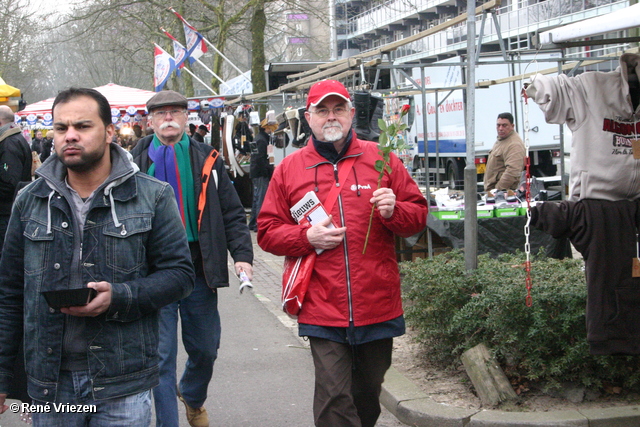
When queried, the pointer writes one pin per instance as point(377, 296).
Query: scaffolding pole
point(470, 176)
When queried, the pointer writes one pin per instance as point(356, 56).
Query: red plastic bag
point(295, 281)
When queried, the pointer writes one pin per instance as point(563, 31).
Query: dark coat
point(260, 166)
point(198, 137)
point(15, 166)
point(224, 225)
point(47, 146)
point(604, 232)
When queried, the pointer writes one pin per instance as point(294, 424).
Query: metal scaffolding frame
point(349, 69)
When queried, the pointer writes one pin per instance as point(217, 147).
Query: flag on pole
point(196, 46)
point(179, 52)
point(164, 65)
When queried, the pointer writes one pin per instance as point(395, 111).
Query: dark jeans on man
point(348, 381)
point(260, 185)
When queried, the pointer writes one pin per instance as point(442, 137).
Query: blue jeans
point(260, 185)
point(75, 388)
point(200, 322)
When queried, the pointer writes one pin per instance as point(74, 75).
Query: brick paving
point(267, 273)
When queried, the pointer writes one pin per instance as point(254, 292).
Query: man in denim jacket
point(91, 220)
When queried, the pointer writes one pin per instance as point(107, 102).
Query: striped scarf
point(171, 164)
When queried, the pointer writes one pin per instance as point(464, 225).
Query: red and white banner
point(196, 47)
point(164, 65)
point(179, 51)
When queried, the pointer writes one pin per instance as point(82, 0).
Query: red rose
point(405, 109)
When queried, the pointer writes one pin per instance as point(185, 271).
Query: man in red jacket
point(353, 307)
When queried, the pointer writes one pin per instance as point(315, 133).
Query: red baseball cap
point(324, 88)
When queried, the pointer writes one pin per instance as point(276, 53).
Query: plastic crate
point(506, 212)
point(450, 214)
point(485, 212)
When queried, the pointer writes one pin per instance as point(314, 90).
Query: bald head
point(6, 115)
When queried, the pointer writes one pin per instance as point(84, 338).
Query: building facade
point(363, 25)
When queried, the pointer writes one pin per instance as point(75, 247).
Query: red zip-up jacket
point(345, 284)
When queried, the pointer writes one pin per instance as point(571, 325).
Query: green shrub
point(453, 310)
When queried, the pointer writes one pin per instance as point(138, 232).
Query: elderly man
point(214, 221)
point(352, 308)
point(91, 221)
point(506, 158)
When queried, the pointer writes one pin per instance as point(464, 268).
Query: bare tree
point(101, 42)
point(22, 48)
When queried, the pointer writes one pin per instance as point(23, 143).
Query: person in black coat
point(15, 168)
point(260, 170)
point(36, 144)
point(200, 133)
point(15, 164)
point(47, 146)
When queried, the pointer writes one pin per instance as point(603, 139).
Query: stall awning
point(120, 97)
point(7, 91)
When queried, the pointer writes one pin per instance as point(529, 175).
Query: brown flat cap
point(164, 98)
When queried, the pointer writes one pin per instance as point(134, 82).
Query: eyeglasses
point(162, 113)
point(338, 112)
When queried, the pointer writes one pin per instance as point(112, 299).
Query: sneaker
point(196, 417)
point(511, 196)
point(490, 197)
point(500, 197)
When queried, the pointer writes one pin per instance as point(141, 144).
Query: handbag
point(35, 162)
point(295, 281)
point(296, 272)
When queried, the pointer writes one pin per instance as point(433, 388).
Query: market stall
point(499, 235)
point(7, 92)
point(128, 106)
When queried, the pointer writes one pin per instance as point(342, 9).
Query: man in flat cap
point(200, 133)
point(214, 220)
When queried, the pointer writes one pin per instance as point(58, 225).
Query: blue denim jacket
point(133, 238)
